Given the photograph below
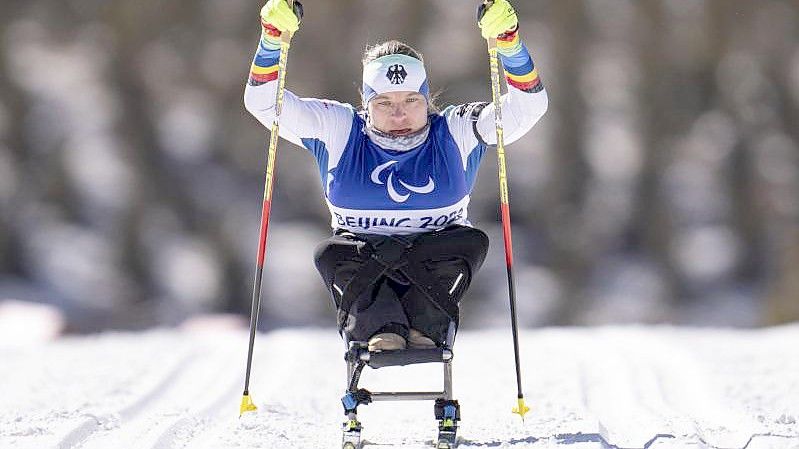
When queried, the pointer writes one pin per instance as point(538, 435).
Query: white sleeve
point(301, 118)
point(462, 124)
point(473, 123)
point(520, 111)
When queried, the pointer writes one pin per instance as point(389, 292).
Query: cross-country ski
point(625, 387)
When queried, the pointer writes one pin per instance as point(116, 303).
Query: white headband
point(394, 73)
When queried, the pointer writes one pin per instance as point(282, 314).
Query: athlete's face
point(398, 113)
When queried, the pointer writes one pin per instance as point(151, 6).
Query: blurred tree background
point(661, 186)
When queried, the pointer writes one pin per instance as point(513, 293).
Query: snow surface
point(610, 387)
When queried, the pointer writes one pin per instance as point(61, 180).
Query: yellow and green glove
point(278, 14)
point(496, 18)
point(277, 18)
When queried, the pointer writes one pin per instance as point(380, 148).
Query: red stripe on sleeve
point(524, 86)
point(263, 78)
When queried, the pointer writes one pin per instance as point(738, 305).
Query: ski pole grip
point(296, 6)
point(481, 10)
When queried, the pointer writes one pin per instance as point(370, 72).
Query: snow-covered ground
point(611, 387)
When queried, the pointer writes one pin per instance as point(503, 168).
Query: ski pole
point(247, 404)
point(521, 408)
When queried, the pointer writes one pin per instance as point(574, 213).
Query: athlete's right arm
point(301, 118)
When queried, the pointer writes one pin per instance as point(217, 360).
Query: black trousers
point(394, 283)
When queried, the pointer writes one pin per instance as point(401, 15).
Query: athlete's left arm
point(526, 100)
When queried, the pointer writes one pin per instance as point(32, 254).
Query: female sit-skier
point(397, 177)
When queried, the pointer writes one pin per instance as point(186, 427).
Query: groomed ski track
point(612, 387)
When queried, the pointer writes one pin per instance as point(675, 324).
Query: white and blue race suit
point(376, 190)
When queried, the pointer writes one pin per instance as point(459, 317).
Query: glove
point(276, 14)
point(496, 18)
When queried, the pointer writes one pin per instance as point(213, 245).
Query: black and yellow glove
point(278, 15)
point(496, 18)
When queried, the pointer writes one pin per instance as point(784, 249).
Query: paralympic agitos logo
point(392, 189)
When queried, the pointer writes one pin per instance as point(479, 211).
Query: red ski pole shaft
point(285, 40)
point(521, 408)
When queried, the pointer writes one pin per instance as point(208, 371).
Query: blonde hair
point(391, 47)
